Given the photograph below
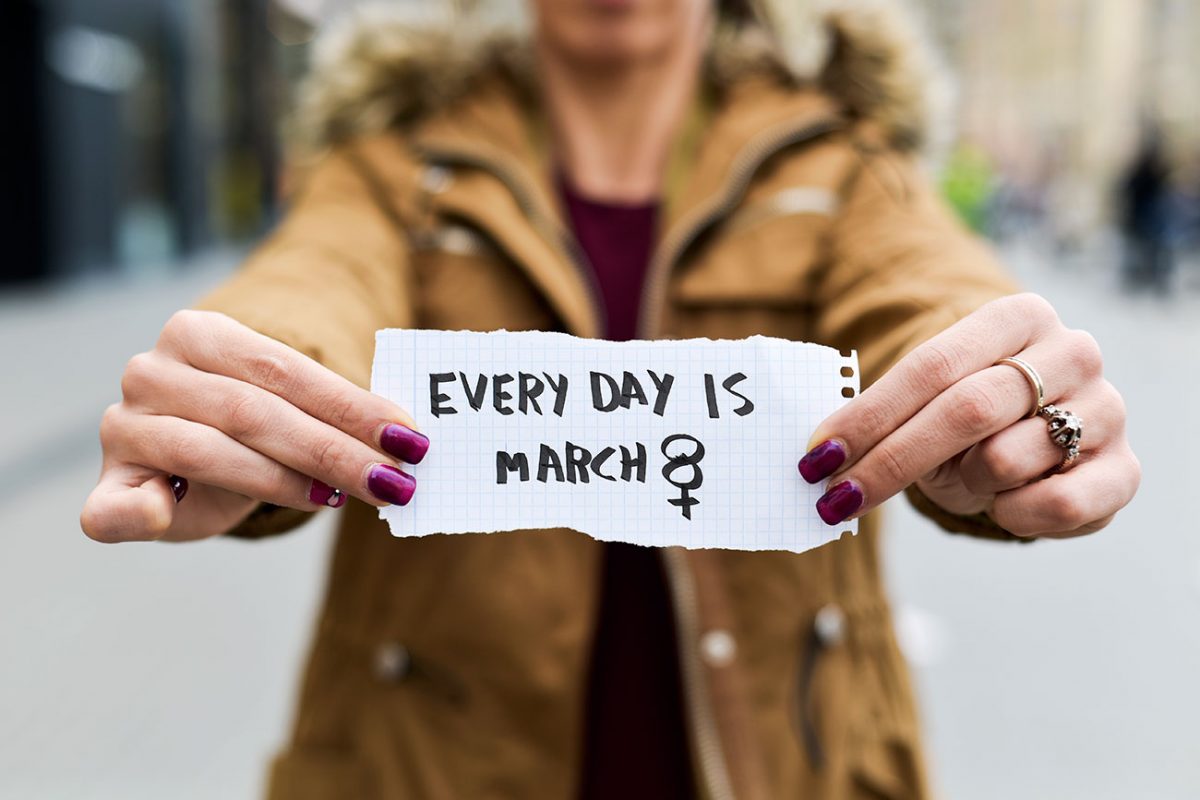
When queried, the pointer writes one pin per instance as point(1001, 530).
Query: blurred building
point(145, 131)
point(145, 128)
point(1060, 92)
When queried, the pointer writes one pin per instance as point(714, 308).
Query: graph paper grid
point(750, 495)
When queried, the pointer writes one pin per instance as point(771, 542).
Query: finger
point(1077, 501)
point(1024, 451)
point(217, 344)
point(273, 427)
point(174, 446)
point(998, 329)
point(130, 503)
point(970, 411)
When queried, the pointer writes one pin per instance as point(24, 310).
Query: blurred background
point(145, 157)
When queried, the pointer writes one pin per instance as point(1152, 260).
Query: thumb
point(130, 503)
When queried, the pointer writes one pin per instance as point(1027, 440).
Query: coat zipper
point(745, 165)
point(713, 769)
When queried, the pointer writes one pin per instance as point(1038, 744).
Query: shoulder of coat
point(379, 67)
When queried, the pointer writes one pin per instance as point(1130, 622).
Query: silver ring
point(1035, 383)
point(1065, 430)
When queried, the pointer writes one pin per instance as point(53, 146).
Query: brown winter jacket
point(455, 666)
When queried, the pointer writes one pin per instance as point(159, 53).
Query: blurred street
point(1054, 670)
point(1068, 669)
point(133, 671)
point(151, 150)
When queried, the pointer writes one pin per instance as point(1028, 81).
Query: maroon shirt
point(635, 740)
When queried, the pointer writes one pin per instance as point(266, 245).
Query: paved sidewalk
point(1064, 670)
point(135, 671)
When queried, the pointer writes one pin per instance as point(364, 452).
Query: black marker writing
point(710, 395)
point(576, 465)
point(679, 461)
point(528, 386)
point(609, 395)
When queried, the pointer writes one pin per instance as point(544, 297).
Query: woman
point(641, 168)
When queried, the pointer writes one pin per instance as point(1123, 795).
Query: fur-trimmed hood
point(379, 66)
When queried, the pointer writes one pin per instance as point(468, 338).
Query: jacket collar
point(493, 131)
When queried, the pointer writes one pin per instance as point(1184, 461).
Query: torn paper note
point(690, 443)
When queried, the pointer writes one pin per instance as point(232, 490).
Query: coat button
point(392, 662)
point(436, 179)
point(830, 625)
point(717, 648)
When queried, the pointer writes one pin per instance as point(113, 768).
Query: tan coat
point(454, 666)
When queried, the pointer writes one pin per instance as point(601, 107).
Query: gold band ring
point(1035, 383)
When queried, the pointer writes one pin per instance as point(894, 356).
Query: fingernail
point(822, 461)
point(404, 443)
point(842, 500)
point(323, 494)
point(179, 486)
point(391, 485)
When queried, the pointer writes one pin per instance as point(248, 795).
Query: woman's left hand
point(950, 420)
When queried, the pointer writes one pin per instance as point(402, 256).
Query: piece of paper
point(690, 443)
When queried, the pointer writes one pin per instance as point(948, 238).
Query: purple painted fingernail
point(822, 461)
point(323, 494)
point(404, 443)
point(842, 500)
point(391, 485)
point(179, 486)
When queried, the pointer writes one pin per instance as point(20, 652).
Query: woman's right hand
point(240, 419)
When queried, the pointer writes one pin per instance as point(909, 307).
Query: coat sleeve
point(334, 271)
point(901, 268)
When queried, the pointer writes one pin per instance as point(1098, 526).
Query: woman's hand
point(950, 421)
point(231, 418)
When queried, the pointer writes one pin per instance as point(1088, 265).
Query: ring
point(1065, 430)
point(1035, 383)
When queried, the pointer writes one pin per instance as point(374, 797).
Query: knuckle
point(342, 411)
point(110, 425)
point(244, 415)
point(182, 324)
point(1063, 510)
point(138, 375)
point(1000, 463)
point(189, 323)
point(870, 417)
point(1084, 350)
point(1030, 305)
point(1135, 469)
point(975, 410)
point(187, 454)
point(1113, 403)
point(943, 363)
point(893, 467)
point(326, 457)
point(1105, 419)
point(270, 371)
point(1019, 527)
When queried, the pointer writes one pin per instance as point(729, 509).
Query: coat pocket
point(320, 774)
point(862, 736)
point(886, 765)
point(885, 759)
